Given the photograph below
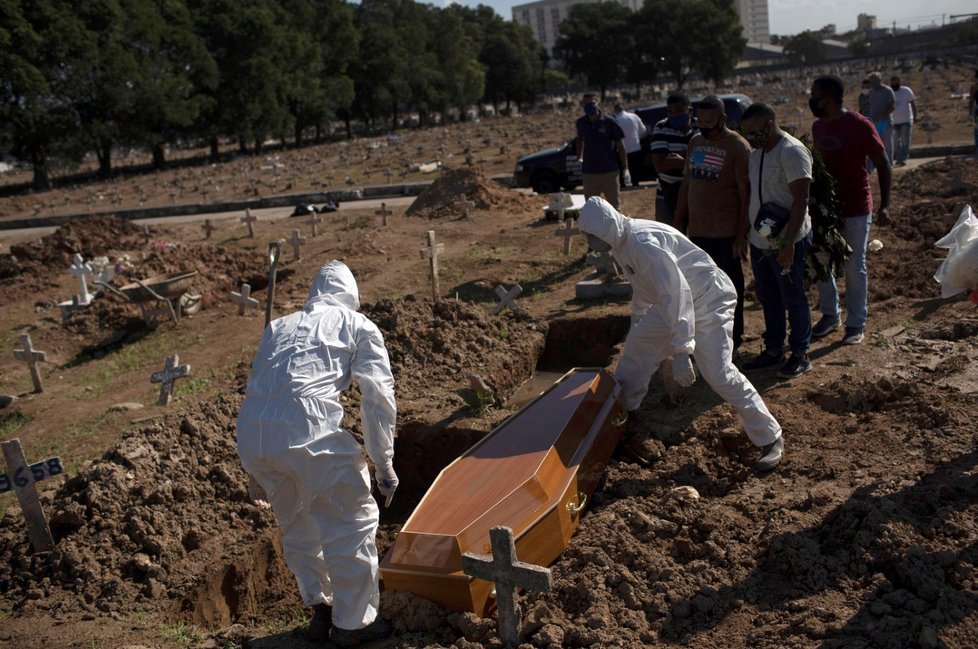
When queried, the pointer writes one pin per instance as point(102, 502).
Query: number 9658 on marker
point(34, 473)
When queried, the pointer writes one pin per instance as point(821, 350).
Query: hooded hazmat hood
point(602, 220)
point(335, 285)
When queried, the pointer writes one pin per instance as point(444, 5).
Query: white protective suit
point(682, 303)
point(314, 471)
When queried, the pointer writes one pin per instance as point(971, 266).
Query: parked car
point(556, 168)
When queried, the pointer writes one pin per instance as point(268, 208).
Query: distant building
point(544, 18)
point(865, 21)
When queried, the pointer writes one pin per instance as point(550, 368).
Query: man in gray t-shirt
point(881, 104)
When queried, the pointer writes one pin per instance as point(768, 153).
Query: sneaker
point(771, 455)
point(763, 360)
point(376, 630)
point(825, 326)
point(853, 336)
point(797, 365)
point(321, 622)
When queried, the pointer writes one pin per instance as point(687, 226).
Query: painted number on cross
point(34, 473)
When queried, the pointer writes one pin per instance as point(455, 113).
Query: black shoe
point(376, 630)
point(763, 360)
point(321, 622)
point(797, 365)
point(826, 325)
point(771, 455)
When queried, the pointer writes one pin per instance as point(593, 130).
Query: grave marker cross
point(431, 253)
point(383, 213)
point(508, 574)
point(314, 220)
point(249, 219)
point(568, 232)
point(465, 205)
point(244, 299)
point(21, 477)
point(296, 241)
point(80, 269)
point(208, 227)
point(506, 298)
point(170, 373)
point(30, 356)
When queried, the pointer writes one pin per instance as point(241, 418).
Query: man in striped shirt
point(670, 139)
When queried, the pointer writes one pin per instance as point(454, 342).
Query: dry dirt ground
point(866, 536)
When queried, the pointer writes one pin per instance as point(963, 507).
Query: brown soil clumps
point(439, 199)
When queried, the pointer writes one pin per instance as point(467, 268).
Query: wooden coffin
point(532, 473)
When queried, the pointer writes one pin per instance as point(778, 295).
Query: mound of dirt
point(439, 199)
point(90, 237)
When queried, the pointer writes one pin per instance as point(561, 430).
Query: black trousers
point(720, 250)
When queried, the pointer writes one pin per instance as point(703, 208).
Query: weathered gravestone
point(249, 220)
point(208, 228)
point(167, 376)
point(80, 269)
point(508, 574)
point(569, 231)
point(244, 299)
point(20, 477)
point(296, 242)
point(31, 356)
point(506, 298)
point(383, 213)
point(431, 253)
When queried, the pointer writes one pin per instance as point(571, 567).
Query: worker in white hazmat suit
point(682, 305)
point(313, 471)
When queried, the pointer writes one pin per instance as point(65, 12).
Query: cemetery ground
point(866, 536)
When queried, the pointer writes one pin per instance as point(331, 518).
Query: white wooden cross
point(314, 220)
point(20, 477)
point(464, 204)
point(506, 298)
point(383, 213)
point(249, 220)
point(30, 356)
point(80, 269)
point(431, 253)
point(508, 574)
point(568, 232)
point(170, 373)
point(274, 252)
point(296, 241)
point(244, 299)
point(208, 227)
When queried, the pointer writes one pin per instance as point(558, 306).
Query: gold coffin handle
point(620, 419)
point(576, 509)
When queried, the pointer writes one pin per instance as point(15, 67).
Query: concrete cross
point(274, 252)
point(314, 220)
point(383, 213)
point(296, 241)
point(170, 373)
point(508, 574)
point(244, 299)
point(568, 232)
point(464, 204)
point(30, 356)
point(249, 219)
point(506, 298)
point(431, 253)
point(80, 269)
point(208, 227)
point(21, 477)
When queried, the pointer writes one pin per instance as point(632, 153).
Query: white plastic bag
point(959, 272)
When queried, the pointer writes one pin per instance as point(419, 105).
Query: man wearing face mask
point(713, 198)
point(601, 151)
point(682, 305)
point(670, 139)
point(904, 115)
point(845, 140)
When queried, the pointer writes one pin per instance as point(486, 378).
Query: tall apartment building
point(544, 18)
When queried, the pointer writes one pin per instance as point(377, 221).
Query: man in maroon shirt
point(845, 139)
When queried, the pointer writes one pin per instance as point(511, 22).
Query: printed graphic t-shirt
point(714, 199)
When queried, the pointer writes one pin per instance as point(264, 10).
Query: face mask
point(708, 131)
point(896, 86)
point(815, 107)
point(590, 110)
point(596, 244)
point(678, 122)
point(759, 139)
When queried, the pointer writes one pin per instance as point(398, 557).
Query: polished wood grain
point(530, 473)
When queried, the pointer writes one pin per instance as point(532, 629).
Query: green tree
point(806, 47)
point(594, 43)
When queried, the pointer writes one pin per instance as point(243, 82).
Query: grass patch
point(184, 635)
point(195, 385)
point(11, 422)
point(148, 352)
